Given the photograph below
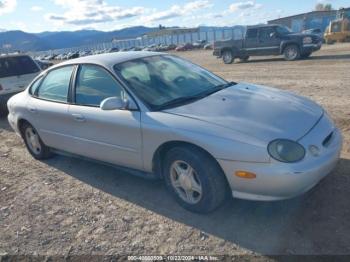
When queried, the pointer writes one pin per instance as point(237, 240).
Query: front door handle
point(79, 118)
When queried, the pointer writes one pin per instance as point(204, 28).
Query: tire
point(291, 52)
point(227, 57)
point(36, 147)
point(306, 55)
point(206, 175)
point(244, 59)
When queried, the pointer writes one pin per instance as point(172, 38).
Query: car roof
point(110, 59)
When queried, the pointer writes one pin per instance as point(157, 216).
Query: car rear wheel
point(194, 179)
point(227, 57)
point(34, 144)
point(291, 53)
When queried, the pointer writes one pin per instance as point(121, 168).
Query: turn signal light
point(245, 174)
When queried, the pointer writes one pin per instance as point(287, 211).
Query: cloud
point(7, 6)
point(199, 4)
point(87, 12)
point(244, 5)
point(36, 8)
point(177, 11)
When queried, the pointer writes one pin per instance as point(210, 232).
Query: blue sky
point(107, 15)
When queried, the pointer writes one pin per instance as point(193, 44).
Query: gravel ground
point(70, 206)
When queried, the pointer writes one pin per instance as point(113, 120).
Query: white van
point(16, 72)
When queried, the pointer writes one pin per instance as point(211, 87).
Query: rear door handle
point(79, 118)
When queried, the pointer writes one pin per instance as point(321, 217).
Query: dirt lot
point(71, 206)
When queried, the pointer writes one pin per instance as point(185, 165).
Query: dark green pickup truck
point(263, 40)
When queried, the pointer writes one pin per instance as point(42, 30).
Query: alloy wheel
point(33, 140)
point(185, 181)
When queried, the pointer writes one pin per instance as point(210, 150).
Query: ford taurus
point(160, 116)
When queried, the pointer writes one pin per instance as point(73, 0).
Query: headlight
point(307, 40)
point(285, 150)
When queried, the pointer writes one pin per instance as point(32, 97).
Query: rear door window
point(55, 85)
point(17, 65)
point(252, 33)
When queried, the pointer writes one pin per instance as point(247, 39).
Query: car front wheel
point(291, 53)
point(195, 179)
point(227, 57)
point(33, 142)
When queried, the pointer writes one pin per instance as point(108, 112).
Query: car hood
point(261, 112)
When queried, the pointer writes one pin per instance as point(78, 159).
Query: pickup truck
point(263, 40)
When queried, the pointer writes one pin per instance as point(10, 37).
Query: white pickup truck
point(16, 72)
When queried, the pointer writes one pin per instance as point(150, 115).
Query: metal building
point(314, 19)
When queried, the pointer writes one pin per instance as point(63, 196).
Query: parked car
point(44, 64)
point(72, 55)
point(113, 49)
point(59, 57)
point(185, 47)
point(265, 40)
point(171, 47)
point(199, 44)
point(208, 47)
point(152, 48)
point(160, 116)
point(16, 72)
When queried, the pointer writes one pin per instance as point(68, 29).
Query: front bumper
point(276, 180)
point(309, 48)
point(13, 123)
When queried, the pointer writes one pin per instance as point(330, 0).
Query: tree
point(323, 7)
point(328, 7)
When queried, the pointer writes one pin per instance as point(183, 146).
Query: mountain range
point(19, 40)
point(11, 41)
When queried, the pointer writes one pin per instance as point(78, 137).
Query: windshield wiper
point(223, 86)
point(177, 101)
point(188, 99)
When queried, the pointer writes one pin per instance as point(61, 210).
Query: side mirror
point(113, 103)
point(273, 35)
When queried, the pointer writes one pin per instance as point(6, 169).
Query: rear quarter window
point(17, 65)
point(33, 88)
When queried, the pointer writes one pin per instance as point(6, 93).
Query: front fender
point(160, 128)
point(288, 42)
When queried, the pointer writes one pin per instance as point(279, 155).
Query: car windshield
point(165, 81)
point(283, 30)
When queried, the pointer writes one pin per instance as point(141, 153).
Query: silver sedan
point(160, 116)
